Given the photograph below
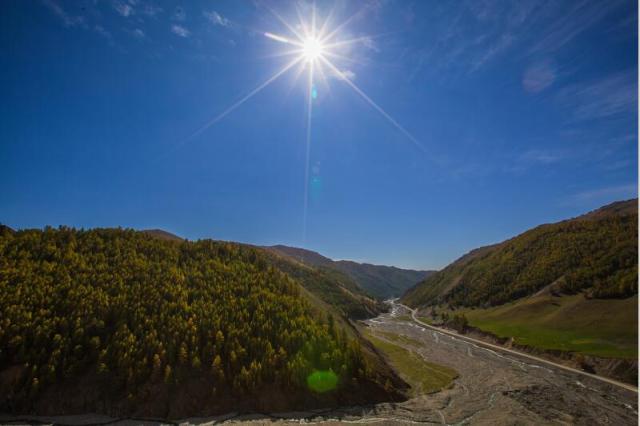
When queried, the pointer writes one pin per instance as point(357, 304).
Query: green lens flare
point(322, 381)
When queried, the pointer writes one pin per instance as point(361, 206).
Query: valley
point(144, 325)
point(491, 387)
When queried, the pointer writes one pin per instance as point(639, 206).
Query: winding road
point(496, 386)
point(518, 353)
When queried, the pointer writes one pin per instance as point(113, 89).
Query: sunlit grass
point(424, 377)
point(403, 318)
point(427, 320)
point(606, 328)
point(399, 338)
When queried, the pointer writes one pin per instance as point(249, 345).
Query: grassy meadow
point(599, 327)
point(424, 377)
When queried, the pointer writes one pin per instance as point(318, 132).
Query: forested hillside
point(118, 321)
point(330, 286)
point(380, 281)
point(595, 253)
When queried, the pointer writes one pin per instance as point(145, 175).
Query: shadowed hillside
point(380, 281)
point(121, 322)
point(159, 233)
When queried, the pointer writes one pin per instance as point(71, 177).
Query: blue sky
point(521, 112)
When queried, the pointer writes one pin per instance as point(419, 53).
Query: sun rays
point(312, 50)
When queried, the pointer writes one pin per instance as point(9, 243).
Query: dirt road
point(493, 388)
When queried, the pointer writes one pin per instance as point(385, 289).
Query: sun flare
point(312, 48)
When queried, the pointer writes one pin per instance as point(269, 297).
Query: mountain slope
point(122, 322)
point(330, 286)
point(162, 234)
point(380, 281)
point(595, 253)
point(327, 285)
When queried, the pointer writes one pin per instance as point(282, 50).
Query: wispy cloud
point(349, 74)
point(344, 74)
point(217, 19)
point(538, 77)
point(138, 33)
point(67, 19)
point(607, 97)
point(103, 32)
point(471, 35)
point(369, 44)
point(538, 156)
point(151, 9)
point(615, 192)
point(180, 31)
point(534, 159)
point(503, 43)
point(124, 9)
point(571, 23)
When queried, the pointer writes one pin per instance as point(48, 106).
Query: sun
point(312, 49)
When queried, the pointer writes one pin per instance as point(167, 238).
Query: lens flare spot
point(322, 381)
point(314, 92)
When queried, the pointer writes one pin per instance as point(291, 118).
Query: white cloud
point(180, 31)
point(541, 157)
point(503, 43)
point(138, 33)
point(217, 19)
point(123, 9)
point(534, 159)
point(104, 33)
point(67, 20)
point(616, 192)
point(151, 9)
point(369, 44)
point(572, 23)
point(603, 98)
point(348, 74)
point(538, 77)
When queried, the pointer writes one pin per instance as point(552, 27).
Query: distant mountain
point(328, 285)
point(380, 281)
point(595, 253)
point(164, 235)
point(121, 322)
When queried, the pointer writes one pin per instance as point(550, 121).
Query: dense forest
point(119, 321)
point(330, 286)
point(595, 254)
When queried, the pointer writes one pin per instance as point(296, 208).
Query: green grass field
point(424, 377)
point(398, 338)
point(403, 318)
point(605, 328)
point(427, 320)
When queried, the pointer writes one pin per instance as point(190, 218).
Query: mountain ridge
point(381, 281)
point(481, 274)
